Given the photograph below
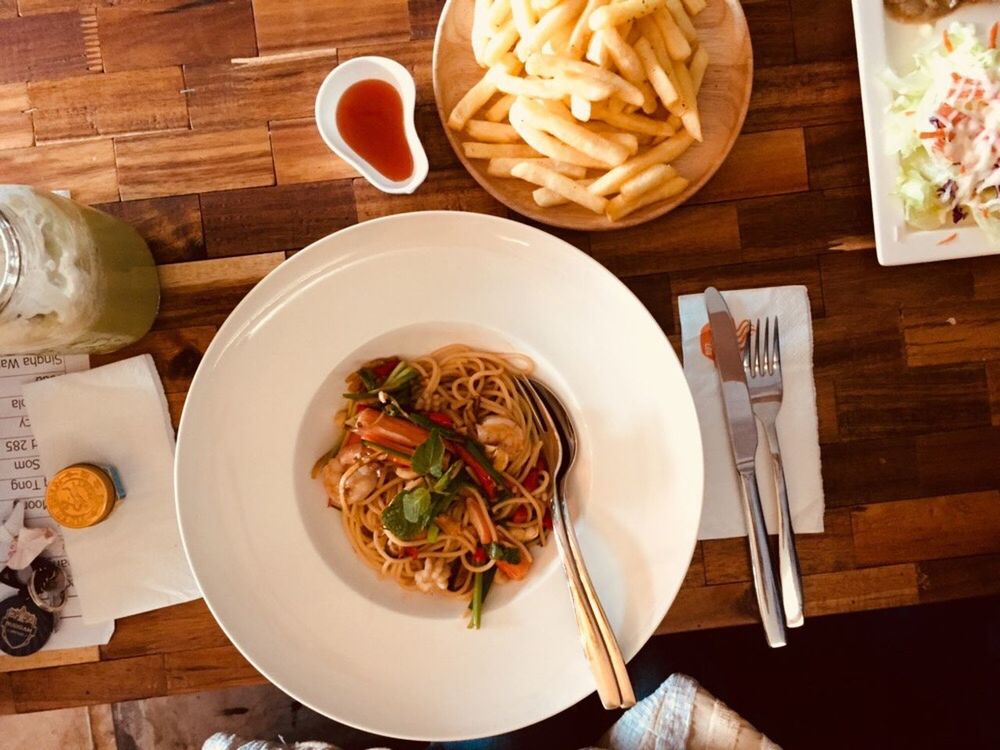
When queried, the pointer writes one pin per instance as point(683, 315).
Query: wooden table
point(136, 106)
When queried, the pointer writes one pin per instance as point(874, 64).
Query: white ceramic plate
point(884, 42)
point(272, 560)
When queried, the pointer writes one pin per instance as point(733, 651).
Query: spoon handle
point(599, 642)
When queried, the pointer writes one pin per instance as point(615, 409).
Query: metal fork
point(599, 643)
point(763, 370)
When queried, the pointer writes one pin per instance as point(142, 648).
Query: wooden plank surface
point(174, 32)
point(192, 122)
point(328, 23)
point(226, 95)
point(16, 129)
point(132, 101)
point(86, 169)
point(194, 161)
point(300, 155)
point(42, 47)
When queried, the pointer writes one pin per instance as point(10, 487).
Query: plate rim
point(635, 219)
point(231, 324)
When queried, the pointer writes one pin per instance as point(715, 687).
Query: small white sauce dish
point(336, 83)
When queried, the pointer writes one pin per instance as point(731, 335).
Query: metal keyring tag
point(48, 588)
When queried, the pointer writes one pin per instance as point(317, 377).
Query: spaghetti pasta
point(440, 475)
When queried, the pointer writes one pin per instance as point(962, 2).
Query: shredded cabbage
point(944, 126)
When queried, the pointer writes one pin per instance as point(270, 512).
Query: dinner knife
point(743, 438)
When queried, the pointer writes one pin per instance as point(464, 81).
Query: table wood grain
point(137, 105)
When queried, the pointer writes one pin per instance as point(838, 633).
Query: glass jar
point(72, 278)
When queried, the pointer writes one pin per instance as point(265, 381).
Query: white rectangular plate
point(884, 42)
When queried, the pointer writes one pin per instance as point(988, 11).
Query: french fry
point(558, 66)
point(480, 30)
point(654, 72)
point(649, 100)
point(652, 34)
point(498, 13)
point(481, 92)
point(614, 104)
point(597, 51)
point(554, 19)
point(620, 207)
point(545, 198)
point(694, 7)
point(491, 132)
point(540, 6)
point(628, 140)
point(662, 153)
point(570, 132)
point(476, 150)
point(635, 123)
point(561, 184)
point(559, 41)
point(501, 166)
point(624, 57)
point(500, 43)
point(579, 38)
point(649, 178)
point(622, 11)
point(580, 108)
point(497, 112)
point(699, 63)
point(677, 45)
point(551, 147)
point(690, 116)
point(523, 15)
point(550, 88)
point(538, 88)
point(683, 21)
point(675, 122)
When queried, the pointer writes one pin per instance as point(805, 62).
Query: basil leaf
point(396, 518)
point(416, 505)
point(368, 378)
point(510, 555)
point(432, 533)
point(429, 456)
point(444, 483)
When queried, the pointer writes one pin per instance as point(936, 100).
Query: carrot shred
point(947, 42)
point(994, 30)
point(932, 134)
point(950, 238)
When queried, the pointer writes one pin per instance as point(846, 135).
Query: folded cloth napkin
point(680, 715)
point(798, 430)
point(117, 415)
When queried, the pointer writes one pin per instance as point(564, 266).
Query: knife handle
point(768, 597)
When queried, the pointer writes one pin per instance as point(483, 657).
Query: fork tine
point(746, 357)
point(777, 347)
point(767, 347)
point(755, 332)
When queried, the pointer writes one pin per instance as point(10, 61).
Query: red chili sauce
point(370, 120)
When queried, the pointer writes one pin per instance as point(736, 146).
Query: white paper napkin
point(798, 429)
point(117, 415)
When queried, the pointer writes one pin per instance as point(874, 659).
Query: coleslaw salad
point(944, 127)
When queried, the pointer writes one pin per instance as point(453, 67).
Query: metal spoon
point(599, 643)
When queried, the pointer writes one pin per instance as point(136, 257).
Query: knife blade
point(742, 427)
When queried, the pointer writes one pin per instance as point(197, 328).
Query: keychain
point(28, 618)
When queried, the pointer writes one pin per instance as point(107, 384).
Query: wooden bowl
point(723, 101)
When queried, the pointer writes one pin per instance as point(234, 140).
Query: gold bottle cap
point(80, 495)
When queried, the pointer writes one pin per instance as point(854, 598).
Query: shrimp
point(334, 469)
point(500, 432)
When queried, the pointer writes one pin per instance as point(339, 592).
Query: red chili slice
point(385, 368)
point(440, 418)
